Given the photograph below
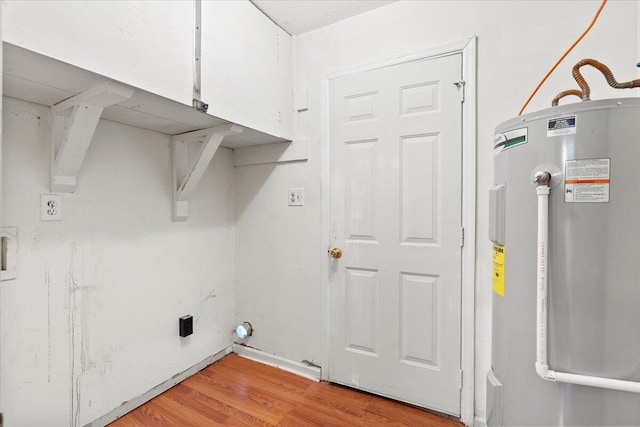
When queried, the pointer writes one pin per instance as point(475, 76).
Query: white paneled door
point(395, 207)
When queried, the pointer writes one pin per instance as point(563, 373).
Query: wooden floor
point(239, 392)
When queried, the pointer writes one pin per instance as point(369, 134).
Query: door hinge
point(461, 237)
point(460, 85)
point(460, 379)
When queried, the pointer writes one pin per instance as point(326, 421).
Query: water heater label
point(498, 269)
point(587, 180)
point(561, 126)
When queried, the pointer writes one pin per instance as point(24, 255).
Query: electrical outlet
point(296, 197)
point(50, 207)
point(186, 325)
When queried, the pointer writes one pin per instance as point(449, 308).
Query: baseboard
point(306, 371)
point(479, 422)
point(132, 404)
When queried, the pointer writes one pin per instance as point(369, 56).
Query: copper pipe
point(575, 92)
point(586, 91)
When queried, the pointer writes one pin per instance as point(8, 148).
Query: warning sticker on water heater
point(587, 180)
point(498, 269)
point(561, 126)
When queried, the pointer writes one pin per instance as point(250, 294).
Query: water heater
point(565, 227)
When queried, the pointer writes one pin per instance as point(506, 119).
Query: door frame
point(467, 48)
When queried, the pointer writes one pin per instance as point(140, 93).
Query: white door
point(395, 206)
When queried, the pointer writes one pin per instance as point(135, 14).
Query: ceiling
point(299, 16)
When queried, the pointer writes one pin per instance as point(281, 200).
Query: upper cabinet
point(246, 67)
point(148, 45)
point(245, 58)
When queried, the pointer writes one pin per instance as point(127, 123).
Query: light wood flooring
point(239, 392)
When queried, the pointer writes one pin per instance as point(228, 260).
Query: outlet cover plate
point(50, 207)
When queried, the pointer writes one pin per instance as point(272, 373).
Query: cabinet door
point(246, 67)
point(145, 44)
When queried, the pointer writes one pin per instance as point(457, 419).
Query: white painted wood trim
point(310, 372)
point(326, 225)
point(212, 140)
point(86, 110)
point(469, 177)
point(279, 152)
point(103, 95)
point(186, 177)
point(73, 148)
point(456, 46)
point(132, 404)
point(467, 48)
point(479, 422)
point(197, 50)
point(300, 100)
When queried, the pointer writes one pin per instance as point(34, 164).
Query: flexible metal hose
point(575, 92)
point(586, 91)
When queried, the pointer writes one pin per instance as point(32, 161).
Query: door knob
point(335, 253)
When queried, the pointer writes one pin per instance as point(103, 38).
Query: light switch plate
point(50, 207)
point(296, 197)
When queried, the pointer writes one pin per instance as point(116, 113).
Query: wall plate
point(296, 196)
point(50, 207)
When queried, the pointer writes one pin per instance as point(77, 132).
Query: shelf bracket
point(72, 136)
point(186, 172)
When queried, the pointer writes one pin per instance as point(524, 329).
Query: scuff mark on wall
point(76, 335)
point(211, 295)
point(9, 329)
point(47, 281)
point(72, 346)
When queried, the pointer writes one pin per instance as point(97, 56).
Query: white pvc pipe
point(541, 279)
point(542, 366)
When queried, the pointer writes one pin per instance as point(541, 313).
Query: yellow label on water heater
point(498, 269)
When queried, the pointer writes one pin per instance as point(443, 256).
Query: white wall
point(278, 252)
point(281, 250)
point(92, 319)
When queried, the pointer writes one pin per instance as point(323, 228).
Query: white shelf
point(79, 99)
